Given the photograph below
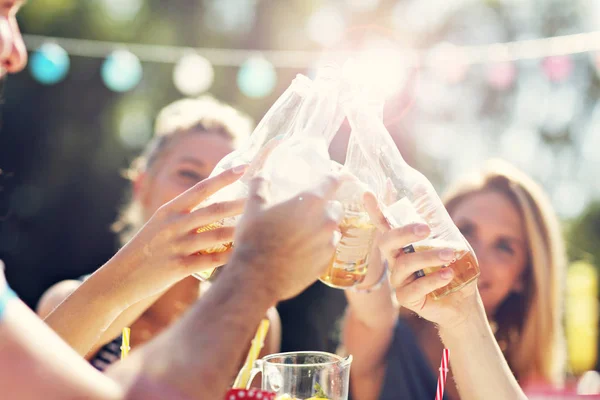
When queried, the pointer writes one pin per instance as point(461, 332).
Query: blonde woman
point(192, 135)
point(515, 234)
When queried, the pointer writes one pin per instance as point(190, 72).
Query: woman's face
point(189, 159)
point(494, 228)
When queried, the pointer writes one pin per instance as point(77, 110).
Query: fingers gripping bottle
point(275, 126)
point(415, 198)
point(304, 159)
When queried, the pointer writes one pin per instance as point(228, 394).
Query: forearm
point(478, 365)
point(367, 334)
point(373, 315)
point(83, 317)
point(200, 355)
point(125, 319)
point(35, 363)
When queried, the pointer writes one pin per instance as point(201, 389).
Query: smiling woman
point(191, 137)
point(510, 224)
point(514, 232)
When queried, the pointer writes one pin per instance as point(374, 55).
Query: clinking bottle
point(274, 127)
point(414, 201)
point(350, 262)
point(304, 159)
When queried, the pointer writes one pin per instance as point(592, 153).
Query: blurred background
point(460, 93)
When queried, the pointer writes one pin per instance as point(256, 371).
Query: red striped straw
point(442, 377)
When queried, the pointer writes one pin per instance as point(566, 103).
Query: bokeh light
point(121, 71)
point(363, 5)
point(193, 74)
point(326, 26)
point(557, 68)
point(135, 128)
point(421, 16)
point(501, 76)
point(378, 62)
point(563, 103)
point(257, 77)
point(519, 145)
point(230, 16)
point(49, 64)
point(570, 198)
point(121, 10)
point(531, 103)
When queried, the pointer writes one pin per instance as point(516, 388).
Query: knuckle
point(401, 264)
point(217, 208)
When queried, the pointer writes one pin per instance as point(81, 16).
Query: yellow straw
point(257, 344)
point(125, 343)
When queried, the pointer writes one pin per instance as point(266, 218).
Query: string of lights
point(194, 73)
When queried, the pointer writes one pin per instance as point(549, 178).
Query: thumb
point(374, 210)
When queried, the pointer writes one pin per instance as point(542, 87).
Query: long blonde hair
point(200, 115)
point(529, 324)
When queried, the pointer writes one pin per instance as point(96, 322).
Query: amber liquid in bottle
point(351, 259)
point(207, 274)
point(464, 265)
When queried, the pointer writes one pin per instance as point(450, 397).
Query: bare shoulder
point(55, 295)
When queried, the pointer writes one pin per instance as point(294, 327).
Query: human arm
point(478, 366)
point(279, 251)
point(163, 252)
point(35, 363)
point(368, 330)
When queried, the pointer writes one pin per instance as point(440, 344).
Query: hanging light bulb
point(49, 64)
point(121, 71)
point(121, 10)
point(257, 77)
point(557, 68)
point(193, 74)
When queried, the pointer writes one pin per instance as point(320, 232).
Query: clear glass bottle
point(274, 127)
point(415, 198)
point(350, 262)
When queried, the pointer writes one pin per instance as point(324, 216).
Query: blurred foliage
point(583, 236)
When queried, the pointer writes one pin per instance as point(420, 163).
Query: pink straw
point(442, 377)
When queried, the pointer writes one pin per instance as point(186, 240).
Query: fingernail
point(446, 255)
point(446, 273)
point(240, 169)
point(421, 230)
